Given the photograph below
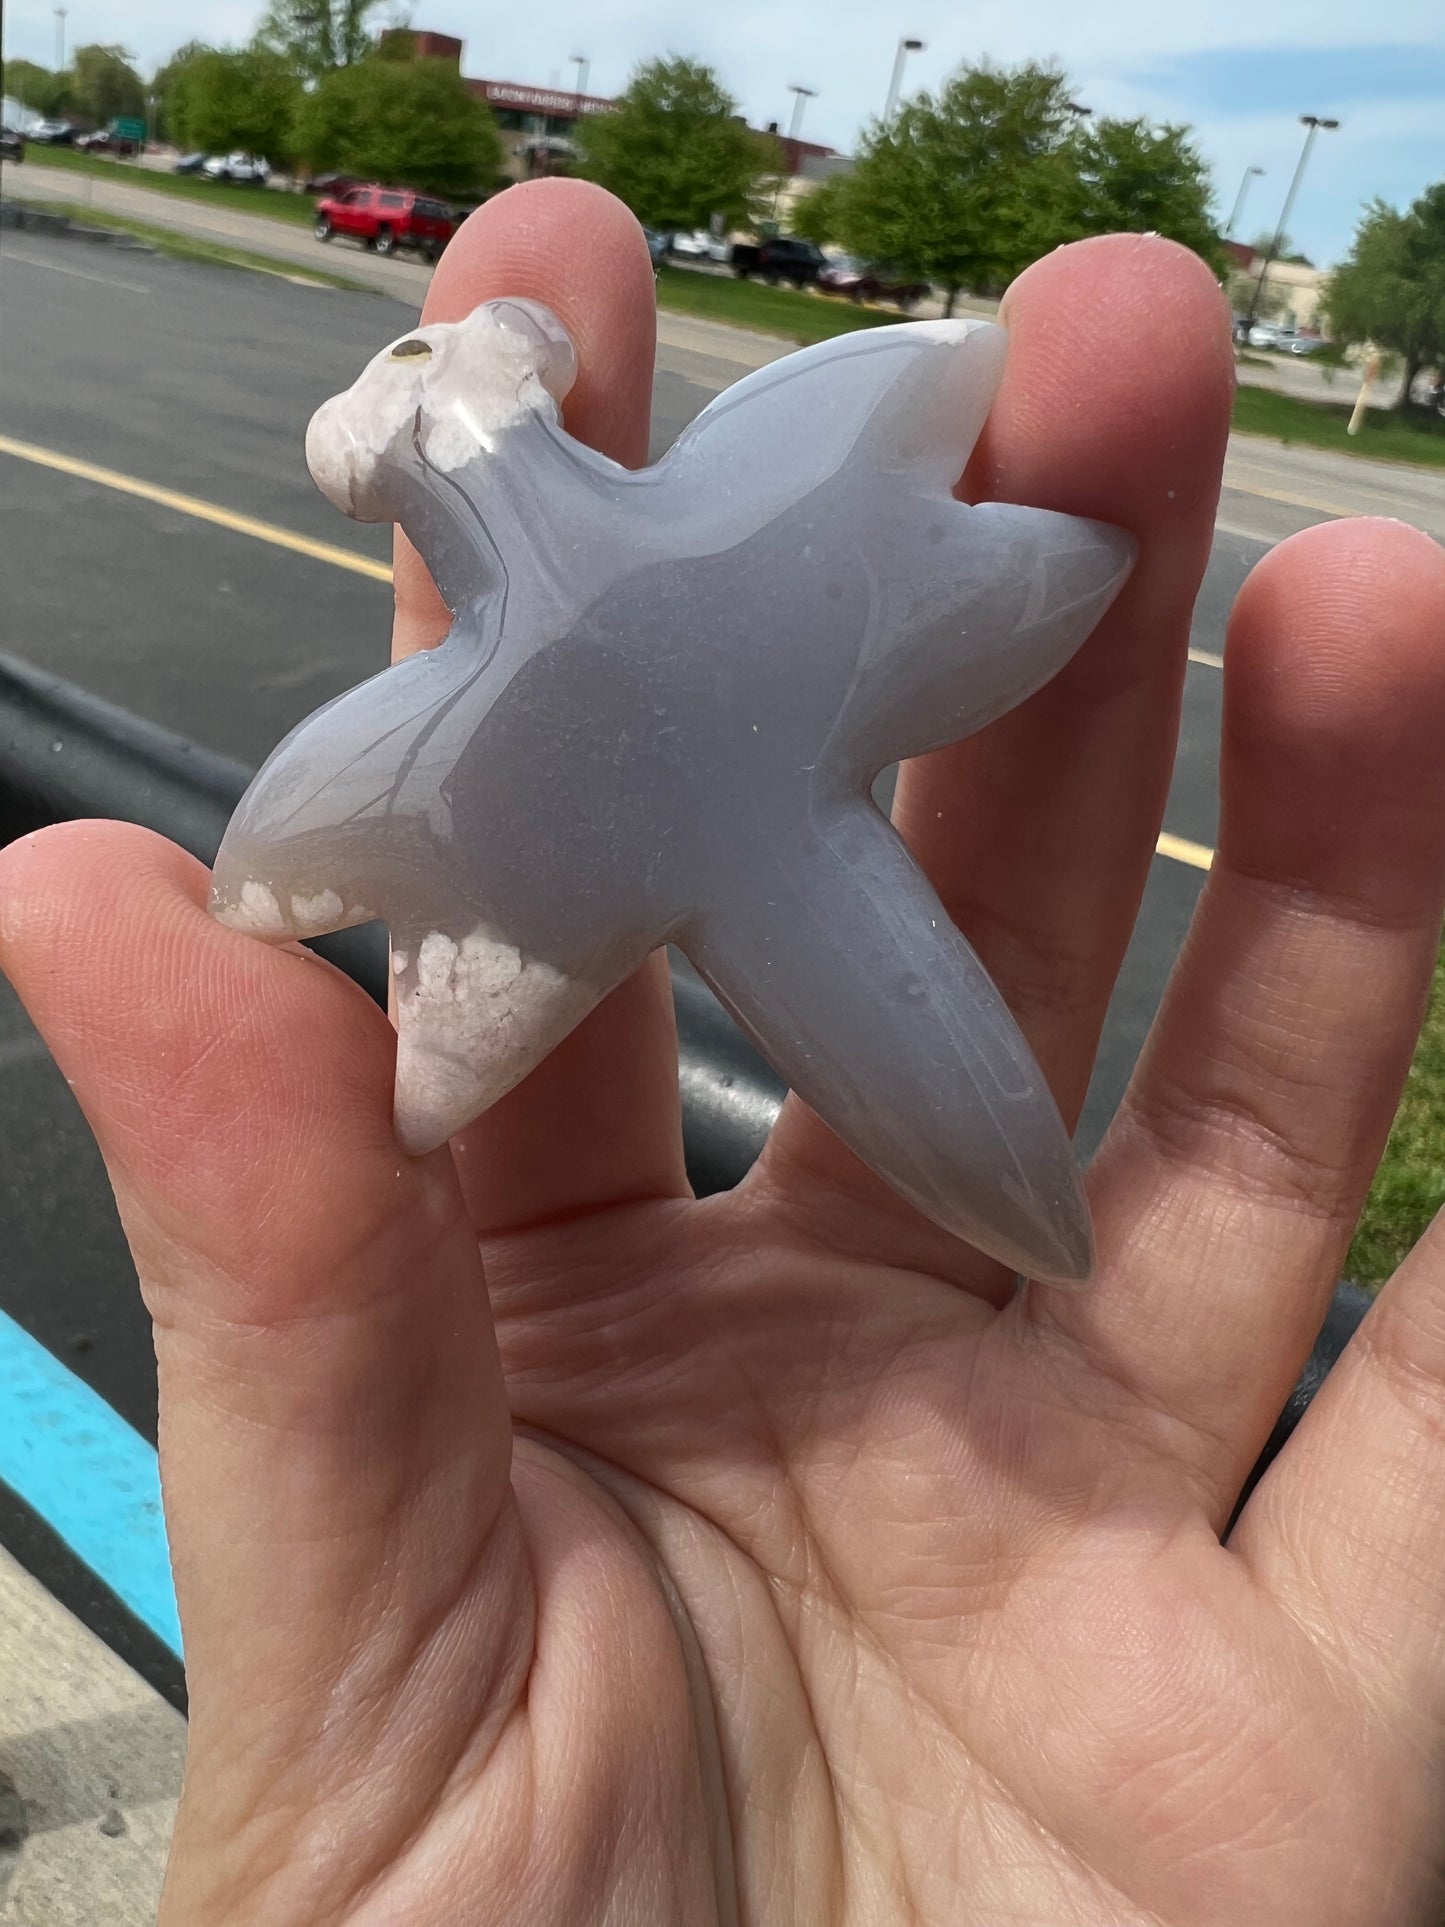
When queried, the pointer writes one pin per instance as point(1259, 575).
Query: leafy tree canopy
point(163, 84)
point(676, 151)
point(104, 86)
point(1390, 288)
point(414, 123)
point(37, 88)
point(1132, 177)
point(318, 35)
point(1288, 248)
point(224, 98)
point(817, 215)
point(961, 188)
point(966, 187)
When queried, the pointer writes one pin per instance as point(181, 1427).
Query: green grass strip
point(275, 203)
point(1409, 1187)
point(767, 311)
point(188, 247)
point(1385, 436)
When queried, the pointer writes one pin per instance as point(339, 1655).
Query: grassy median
point(1384, 436)
point(277, 204)
point(188, 247)
point(768, 311)
point(1410, 1186)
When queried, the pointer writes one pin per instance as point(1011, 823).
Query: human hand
point(555, 1550)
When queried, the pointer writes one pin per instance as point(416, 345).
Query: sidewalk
point(90, 1771)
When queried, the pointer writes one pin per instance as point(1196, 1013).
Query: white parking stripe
point(76, 274)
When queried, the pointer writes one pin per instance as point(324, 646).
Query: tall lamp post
point(1313, 123)
point(60, 40)
point(584, 67)
point(1238, 207)
point(801, 97)
point(905, 48)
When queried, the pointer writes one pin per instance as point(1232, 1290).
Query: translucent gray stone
point(657, 717)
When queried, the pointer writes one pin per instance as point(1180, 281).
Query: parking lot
point(151, 416)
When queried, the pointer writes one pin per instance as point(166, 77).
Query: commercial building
point(539, 124)
point(1295, 286)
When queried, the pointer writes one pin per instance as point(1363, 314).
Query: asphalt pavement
point(136, 392)
point(198, 381)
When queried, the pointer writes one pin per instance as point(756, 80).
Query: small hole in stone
point(412, 350)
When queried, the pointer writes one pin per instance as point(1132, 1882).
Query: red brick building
point(538, 124)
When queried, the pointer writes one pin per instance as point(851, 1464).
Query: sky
point(1239, 72)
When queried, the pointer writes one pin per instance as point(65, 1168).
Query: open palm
point(555, 1549)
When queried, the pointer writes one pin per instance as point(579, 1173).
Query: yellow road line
point(1196, 854)
point(1204, 656)
point(169, 498)
point(1294, 501)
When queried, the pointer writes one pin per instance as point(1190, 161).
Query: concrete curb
point(90, 1771)
point(36, 220)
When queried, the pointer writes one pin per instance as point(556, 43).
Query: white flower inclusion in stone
point(657, 717)
point(467, 1029)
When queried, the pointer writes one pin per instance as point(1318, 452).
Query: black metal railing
point(64, 754)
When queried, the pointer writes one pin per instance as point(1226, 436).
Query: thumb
point(335, 1441)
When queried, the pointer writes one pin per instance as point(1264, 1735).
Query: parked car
point(332, 183)
point(190, 163)
point(860, 282)
point(1305, 344)
point(784, 258)
point(53, 133)
point(103, 141)
point(387, 218)
point(656, 246)
point(248, 170)
point(12, 145)
point(1266, 334)
point(697, 245)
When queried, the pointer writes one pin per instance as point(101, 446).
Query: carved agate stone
point(657, 717)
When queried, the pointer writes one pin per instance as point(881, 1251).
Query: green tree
point(1132, 177)
point(963, 188)
point(1390, 288)
point(1272, 305)
point(675, 149)
point(412, 122)
point(105, 86)
point(164, 84)
point(817, 215)
point(1288, 248)
point(37, 88)
point(318, 35)
point(246, 97)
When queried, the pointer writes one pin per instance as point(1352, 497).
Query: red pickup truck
point(387, 218)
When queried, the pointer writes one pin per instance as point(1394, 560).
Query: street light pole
point(60, 40)
point(1313, 122)
point(1238, 207)
point(801, 97)
point(905, 48)
point(584, 67)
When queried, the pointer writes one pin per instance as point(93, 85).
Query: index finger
point(597, 1123)
point(577, 250)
